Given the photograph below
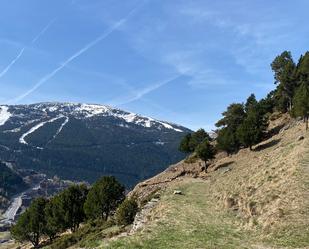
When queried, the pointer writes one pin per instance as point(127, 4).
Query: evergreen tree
point(227, 141)
point(31, 224)
point(55, 216)
point(301, 102)
point(251, 103)
point(185, 144)
point(233, 117)
point(126, 212)
point(205, 151)
point(303, 69)
point(71, 206)
point(104, 197)
point(250, 132)
point(198, 137)
point(191, 141)
point(284, 70)
point(267, 104)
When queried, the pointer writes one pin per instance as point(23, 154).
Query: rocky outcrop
point(146, 189)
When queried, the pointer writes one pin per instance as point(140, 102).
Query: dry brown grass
point(262, 194)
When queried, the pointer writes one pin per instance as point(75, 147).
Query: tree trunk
point(206, 166)
point(290, 104)
point(306, 118)
point(36, 241)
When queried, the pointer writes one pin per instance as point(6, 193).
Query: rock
point(177, 192)
point(285, 128)
point(227, 170)
point(300, 138)
point(252, 208)
point(230, 202)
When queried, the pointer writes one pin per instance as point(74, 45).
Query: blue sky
point(176, 60)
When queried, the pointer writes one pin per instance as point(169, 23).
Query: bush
point(126, 212)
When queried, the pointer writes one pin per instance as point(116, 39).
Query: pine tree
point(253, 128)
point(184, 144)
point(104, 197)
point(251, 103)
point(284, 70)
point(71, 206)
point(191, 141)
point(301, 102)
point(55, 217)
point(227, 141)
point(31, 224)
point(205, 151)
point(197, 138)
point(233, 117)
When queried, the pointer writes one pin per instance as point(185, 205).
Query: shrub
point(126, 212)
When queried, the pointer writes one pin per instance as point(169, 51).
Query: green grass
point(291, 237)
point(88, 236)
point(188, 222)
point(191, 221)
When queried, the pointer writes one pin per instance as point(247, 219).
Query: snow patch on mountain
point(33, 129)
point(18, 129)
point(4, 115)
point(93, 110)
point(87, 111)
point(60, 128)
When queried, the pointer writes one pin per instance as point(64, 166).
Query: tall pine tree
point(301, 102)
point(284, 70)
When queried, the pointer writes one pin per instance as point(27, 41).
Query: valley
point(38, 185)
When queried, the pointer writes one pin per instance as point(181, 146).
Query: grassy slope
point(254, 200)
point(269, 188)
point(187, 221)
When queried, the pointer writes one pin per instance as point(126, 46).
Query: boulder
point(300, 138)
point(177, 192)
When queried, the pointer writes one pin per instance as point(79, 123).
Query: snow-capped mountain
point(84, 141)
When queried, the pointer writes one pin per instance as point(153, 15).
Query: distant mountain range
point(84, 142)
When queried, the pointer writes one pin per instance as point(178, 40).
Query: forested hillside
point(10, 183)
point(83, 142)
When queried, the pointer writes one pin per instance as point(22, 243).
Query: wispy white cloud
point(227, 39)
point(19, 55)
point(253, 36)
point(190, 63)
point(83, 50)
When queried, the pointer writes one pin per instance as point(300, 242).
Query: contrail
point(8, 67)
point(5, 70)
point(43, 31)
point(138, 94)
point(76, 55)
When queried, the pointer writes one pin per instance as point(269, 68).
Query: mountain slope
point(11, 183)
point(257, 199)
point(82, 142)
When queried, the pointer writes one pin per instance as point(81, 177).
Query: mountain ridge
point(53, 136)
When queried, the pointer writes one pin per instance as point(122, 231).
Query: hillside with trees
point(11, 183)
point(244, 125)
point(245, 187)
